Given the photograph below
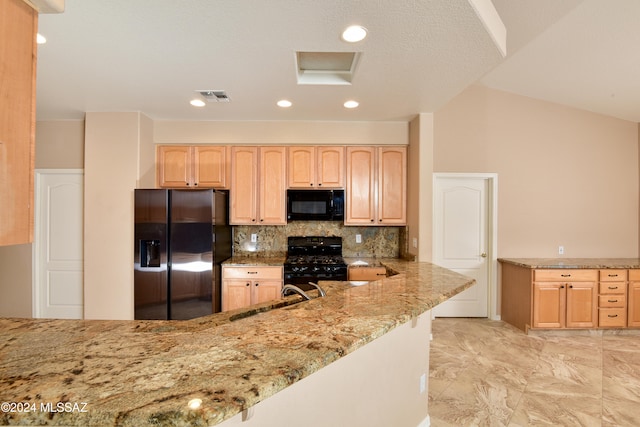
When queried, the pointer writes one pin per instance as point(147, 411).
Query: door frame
point(492, 232)
point(37, 242)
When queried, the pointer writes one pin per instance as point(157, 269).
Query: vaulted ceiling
point(154, 55)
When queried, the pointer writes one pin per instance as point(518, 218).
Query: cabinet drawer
point(634, 274)
point(367, 273)
point(250, 272)
point(610, 275)
point(613, 317)
point(613, 288)
point(565, 275)
point(612, 301)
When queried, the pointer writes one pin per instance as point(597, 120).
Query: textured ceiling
point(153, 55)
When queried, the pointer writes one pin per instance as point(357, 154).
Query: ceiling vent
point(214, 95)
point(326, 68)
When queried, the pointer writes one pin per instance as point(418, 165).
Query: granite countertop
point(240, 261)
point(135, 373)
point(573, 262)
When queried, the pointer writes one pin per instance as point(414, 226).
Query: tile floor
point(488, 373)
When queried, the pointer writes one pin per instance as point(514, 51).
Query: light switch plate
point(254, 238)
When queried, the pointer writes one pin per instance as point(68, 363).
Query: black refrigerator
point(181, 239)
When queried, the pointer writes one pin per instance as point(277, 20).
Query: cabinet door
point(17, 120)
point(301, 167)
point(392, 185)
point(210, 166)
point(330, 167)
point(236, 294)
point(582, 308)
point(174, 166)
point(634, 303)
point(244, 185)
point(549, 301)
point(266, 290)
point(360, 188)
point(272, 194)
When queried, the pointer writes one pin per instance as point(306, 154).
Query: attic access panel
point(326, 68)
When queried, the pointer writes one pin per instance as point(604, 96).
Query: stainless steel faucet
point(292, 289)
point(321, 291)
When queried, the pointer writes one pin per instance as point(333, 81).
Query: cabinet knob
point(372, 220)
point(257, 284)
point(195, 184)
point(483, 254)
point(319, 185)
point(248, 284)
point(562, 287)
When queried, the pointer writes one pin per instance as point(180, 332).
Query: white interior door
point(463, 239)
point(58, 257)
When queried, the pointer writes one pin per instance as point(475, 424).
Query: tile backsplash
point(379, 242)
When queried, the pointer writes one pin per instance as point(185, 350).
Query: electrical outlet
point(358, 238)
point(560, 250)
point(254, 238)
point(423, 383)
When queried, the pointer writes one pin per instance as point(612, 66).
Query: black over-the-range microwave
point(315, 205)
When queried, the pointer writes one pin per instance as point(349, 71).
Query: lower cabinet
point(565, 299)
point(245, 286)
point(633, 319)
point(612, 300)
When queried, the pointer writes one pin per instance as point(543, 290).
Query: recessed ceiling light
point(197, 102)
point(284, 103)
point(40, 39)
point(354, 33)
point(351, 104)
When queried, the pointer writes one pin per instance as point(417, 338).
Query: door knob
point(483, 254)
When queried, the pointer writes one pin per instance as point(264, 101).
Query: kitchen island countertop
point(119, 372)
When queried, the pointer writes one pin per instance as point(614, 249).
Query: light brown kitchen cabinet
point(246, 286)
point(392, 185)
point(612, 299)
point(565, 298)
point(316, 167)
point(366, 273)
point(192, 166)
point(376, 180)
point(633, 318)
point(17, 120)
point(258, 185)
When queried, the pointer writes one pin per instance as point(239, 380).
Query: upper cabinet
point(392, 185)
point(376, 187)
point(258, 185)
point(181, 166)
point(316, 167)
point(17, 120)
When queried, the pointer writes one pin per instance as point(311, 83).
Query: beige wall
point(112, 167)
point(565, 176)
point(281, 133)
point(420, 187)
point(60, 144)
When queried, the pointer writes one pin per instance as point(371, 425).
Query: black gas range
point(313, 258)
